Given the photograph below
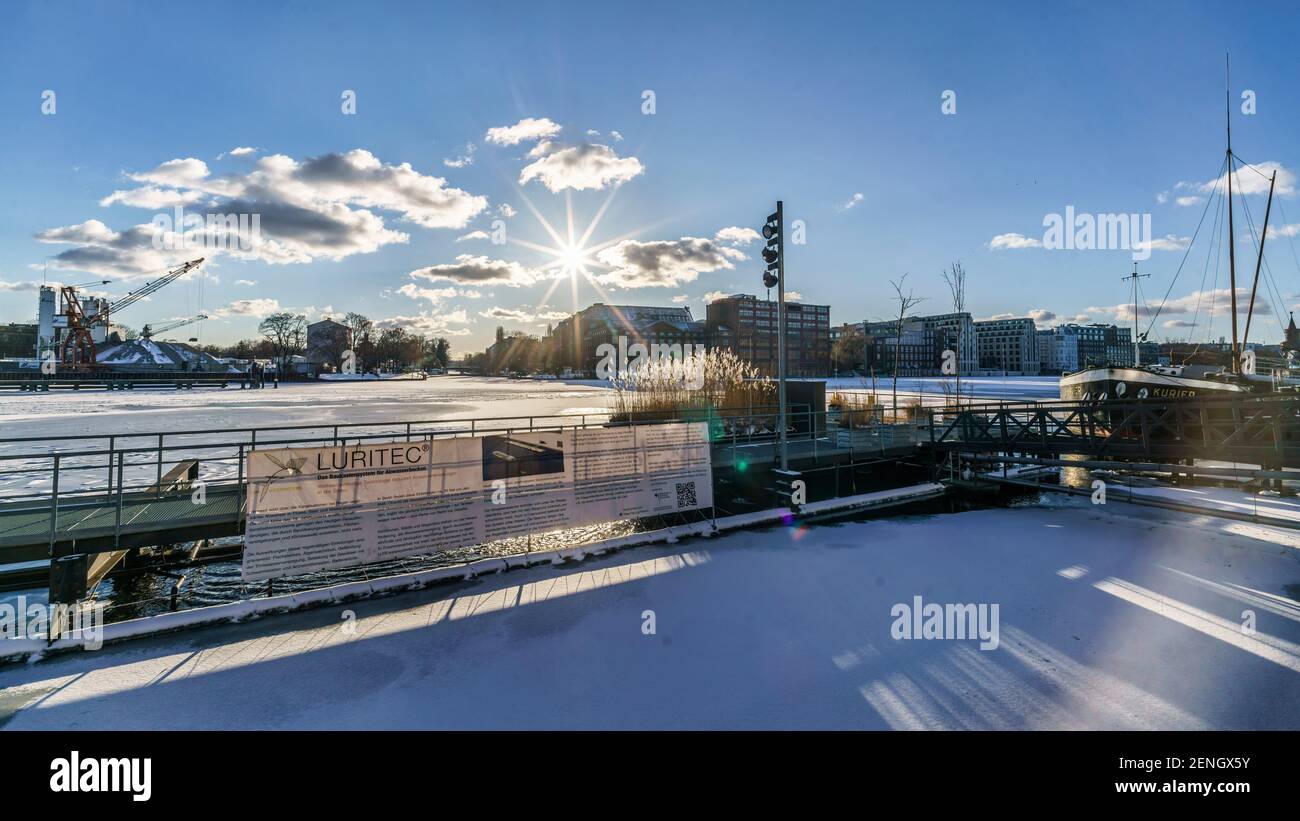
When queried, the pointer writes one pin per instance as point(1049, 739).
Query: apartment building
point(1008, 345)
point(748, 325)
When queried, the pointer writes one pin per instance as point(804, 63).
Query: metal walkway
point(30, 532)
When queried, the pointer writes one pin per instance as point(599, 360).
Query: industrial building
point(748, 326)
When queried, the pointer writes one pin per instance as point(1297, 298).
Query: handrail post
point(158, 483)
point(117, 520)
point(54, 505)
point(239, 481)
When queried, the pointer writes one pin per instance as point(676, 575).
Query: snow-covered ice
point(1114, 617)
point(293, 403)
point(936, 389)
point(385, 404)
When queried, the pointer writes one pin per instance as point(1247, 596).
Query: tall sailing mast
point(1137, 338)
point(1232, 235)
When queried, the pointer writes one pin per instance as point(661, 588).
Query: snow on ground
point(1112, 617)
point(994, 388)
point(1254, 503)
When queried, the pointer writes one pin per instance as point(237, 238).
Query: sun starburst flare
point(572, 254)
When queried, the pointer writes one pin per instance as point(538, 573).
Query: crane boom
point(78, 351)
point(150, 287)
point(149, 330)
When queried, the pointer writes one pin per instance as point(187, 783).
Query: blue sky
point(1097, 105)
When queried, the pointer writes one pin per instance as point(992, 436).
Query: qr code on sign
point(686, 495)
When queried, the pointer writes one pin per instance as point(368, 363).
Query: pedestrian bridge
point(1257, 430)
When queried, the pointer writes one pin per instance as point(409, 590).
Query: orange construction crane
point(78, 350)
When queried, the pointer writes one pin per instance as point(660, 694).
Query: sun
point(574, 254)
point(573, 259)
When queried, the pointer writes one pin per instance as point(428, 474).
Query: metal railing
point(66, 471)
point(1249, 427)
point(104, 478)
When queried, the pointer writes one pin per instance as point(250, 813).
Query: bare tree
point(359, 328)
point(285, 331)
point(906, 302)
point(955, 277)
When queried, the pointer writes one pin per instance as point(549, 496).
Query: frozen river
point(329, 403)
point(390, 403)
point(300, 403)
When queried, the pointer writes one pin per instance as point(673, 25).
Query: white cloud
point(245, 282)
point(179, 173)
point(1013, 242)
point(580, 167)
point(793, 296)
point(102, 251)
point(322, 207)
point(152, 198)
point(1247, 181)
point(429, 324)
point(735, 235)
point(678, 299)
point(1041, 315)
point(465, 160)
point(355, 178)
point(521, 315)
point(258, 308)
point(506, 210)
point(527, 129)
point(1292, 230)
point(1217, 302)
point(1169, 242)
point(712, 296)
point(473, 235)
point(617, 137)
point(478, 270)
point(664, 263)
point(434, 295)
point(853, 200)
point(241, 151)
point(1189, 200)
point(21, 286)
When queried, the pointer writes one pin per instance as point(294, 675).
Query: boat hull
point(1136, 383)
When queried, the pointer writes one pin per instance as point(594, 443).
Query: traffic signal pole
point(780, 330)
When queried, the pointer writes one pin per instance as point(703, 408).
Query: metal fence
point(67, 471)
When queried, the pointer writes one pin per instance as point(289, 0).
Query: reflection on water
point(1075, 477)
point(134, 595)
